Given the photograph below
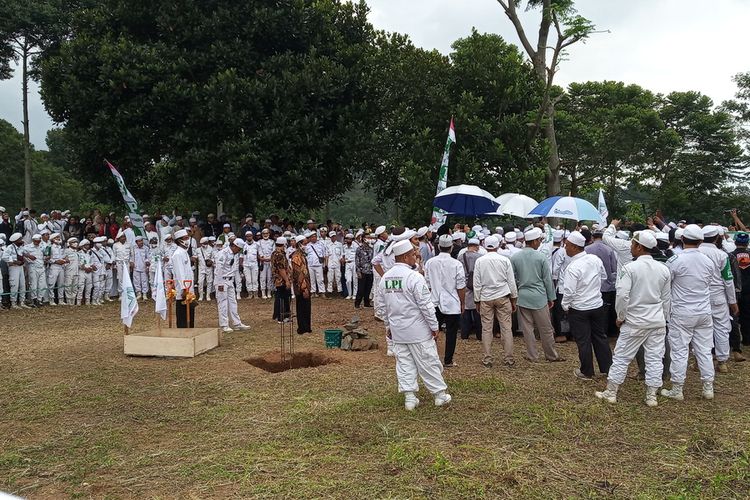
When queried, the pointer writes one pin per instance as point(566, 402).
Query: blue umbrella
point(566, 207)
point(466, 200)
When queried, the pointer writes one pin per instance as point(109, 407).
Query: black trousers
point(304, 314)
point(611, 319)
point(181, 310)
point(281, 308)
point(743, 302)
point(452, 322)
point(557, 315)
point(471, 322)
point(364, 287)
point(640, 358)
point(588, 330)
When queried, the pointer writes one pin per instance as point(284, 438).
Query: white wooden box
point(172, 342)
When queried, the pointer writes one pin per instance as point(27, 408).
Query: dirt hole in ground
point(272, 362)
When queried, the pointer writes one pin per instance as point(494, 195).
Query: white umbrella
point(502, 200)
point(519, 206)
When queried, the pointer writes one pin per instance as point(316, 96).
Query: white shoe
point(208, 299)
point(411, 401)
point(24, 306)
point(708, 390)
point(651, 396)
point(239, 298)
point(390, 353)
point(52, 304)
point(609, 394)
point(674, 393)
point(241, 327)
point(226, 329)
point(442, 399)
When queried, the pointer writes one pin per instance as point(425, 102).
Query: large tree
point(559, 22)
point(247, 100)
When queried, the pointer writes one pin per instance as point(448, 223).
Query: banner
point(128, 302)
point(438, 214)
point(133, 212)
point(602, 207)
point(160, 296)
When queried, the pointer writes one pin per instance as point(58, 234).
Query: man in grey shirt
point(595, 246)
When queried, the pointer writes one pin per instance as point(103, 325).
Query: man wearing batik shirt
point(281, 271)
point(363, 266)
point(301, 283)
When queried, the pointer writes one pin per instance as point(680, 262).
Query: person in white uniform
point(34, 254)
point(72, 270)
point(122, 251)
point(643, 307)
point(98, 276)
point(378, 247)
point(317, 258)
point(335, 251)
point(183, 274)
point(265, 251)
point(56, 273)
point(409, 315)
point(13, 255)
point(250, 265)
point(723, 296)
point(619, 242)
point(85, 272)
point(141, 261)
point(206, 268)
point(226, 297)
point(349, 257)
point(690, 322)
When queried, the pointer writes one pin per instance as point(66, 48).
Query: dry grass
point(79, 419)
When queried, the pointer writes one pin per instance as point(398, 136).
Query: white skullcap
point(85, 242)
point(239, 243)
point(248, 233)
point(287, 234)
point(406, 235)
point(309, 221)
point(178, 217)
point(710, 231)
point(445, 241)
point(231, 235)
point(110, 241)
point(300, 238)
point(332, 233)
point(281, 241)
point(212, 238)
point(584, 226)
point(193, 219)
point(2, 209)
point(360, 232)
point(678, 233)
point(54, 236)
point(492, 242)
point(422, 231)
point(137, 238)
point(532, 234)
point(662, 236)
point(180, 234)
point(226, 225)
point(510, 237)
point(500, 230)
point(25, 213)
point(402, 247)
point(477, 228)
point(645, 238)
point(169, 236)
point(204, 240)
point(15, 237)
point(482, 236)
point(519, 234)
point(349, 236)
point(557, 235)
point(100, 239)
point(693, 232)
point(72, 239)
point(37, 236)
point(473, 241)
point(379, 230)
point(577, 239)
point(45, 231)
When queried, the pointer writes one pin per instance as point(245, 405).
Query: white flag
point(603, 212)
point(128, 302)
point(160, 296)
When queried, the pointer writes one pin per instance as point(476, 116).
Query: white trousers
point(99, 278)
point(17, 282)
point(85, 285)
point(722, 323)
point(238, 281)
point(71, 285)
point(37, 283)
point(685, 331)
point(377, 296)
point(265, 277)
point(419, 359)
point(205, 281)
point(375, 283)
point(316, 280)
point(140, 281)
point(56, 281)
point(227, 303)
point(334, 276)
point(350, 274)
point(251, 278)
point(628, 343)
point(109, 280)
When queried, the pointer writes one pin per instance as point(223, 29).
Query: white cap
point(37, 236)
point(622, 235)
point(110, 241)
point(645, 238)
point(532, 234)
point(406, 235)
point(137, 238)
point(678, 233)
point(2, 209)
point(477, 228)
point(710, 231)
point(402, 247)
point(226, 225)
point(239, 243)
point(101, 239)
point(25, 213)
point(212, 238)
point(281, 241)
point(309, 221)
point(349, 236)
point(577, 239)
point(445, 241)
point(492, 242)
point(379, 230)
point(662, 236)
point(204, 240)
point(178, 217)
point(54, 236)
point(248, 233)
point(193, 219)
point(332, 233)
point(72, 239)
point(360, 232)
point(299, 238)
point(510, 237)
point(85, 242)
point(180, 234)
point(422, 231)
point(557, 235)
point(473, 241)
point(15, 237)
point(693, 232)
point(45, 231)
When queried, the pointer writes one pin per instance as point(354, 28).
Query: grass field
point(79, 419)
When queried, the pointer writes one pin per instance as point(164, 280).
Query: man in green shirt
point(536, 296)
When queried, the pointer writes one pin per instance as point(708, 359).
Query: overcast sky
point(662, 45)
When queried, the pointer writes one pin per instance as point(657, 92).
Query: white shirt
point(691, 277)
point(583, 282)
point(406, 308)
point(141, 255)
point(445, 276)
point(122, 252)
point(643, 294)
point(225, 266)
point(350, 252)
point(36, 251)
point(493, 278)
point(315, 252)
point(181, 270)
point(621, 247)
point(265, 249)
point(250, 255)
point(722, 281)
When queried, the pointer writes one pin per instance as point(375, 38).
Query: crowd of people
point(659, 288)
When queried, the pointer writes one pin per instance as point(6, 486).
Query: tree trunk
point(26, 138)
point(552, 176)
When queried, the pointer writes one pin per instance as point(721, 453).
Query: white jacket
point(406, 308)
point(445, 276)
point(621, 247)
point(644, 294)
point(722, 281)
